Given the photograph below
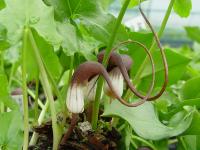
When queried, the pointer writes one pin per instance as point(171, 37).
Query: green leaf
point(73, 43)
point(35, 14)
point(2, 4)
point(193, 33)
point(194, 128)
point(145, 123)
point(106, 3)
point(74, 9)
point(178, 106)
point(83, 8)
point(102, 26)
point(161, 145)
point(191, 89)
point(70, 41)
point(12, 54)
point(176, 65)
point(11, 137)
point(3, 38)
point(191, 142)
point(183, 7)
point(60, 8)
point(48, 55)
point(4, 94)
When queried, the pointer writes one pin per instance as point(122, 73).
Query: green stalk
point(2, 107)
point(11, 74)
point(2, 68)
point(36, 99)
point(105, 59)
point(24, 87)
point(30, 93)
point(136, 80)
point(134, 144)
point(48, 92)
point(52, 81)
point(144, 141)
point(182, 142)
point(42, 114)
point(115, 31)
point(34, 137)
point(2, 59)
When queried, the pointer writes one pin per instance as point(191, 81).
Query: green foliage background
point(66, 29)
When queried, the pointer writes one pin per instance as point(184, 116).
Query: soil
point(103, 139)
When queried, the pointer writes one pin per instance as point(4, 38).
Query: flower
point(90, 89)
point(117, 82)
point(75, 99)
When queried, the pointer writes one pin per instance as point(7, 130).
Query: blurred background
point(175, 34)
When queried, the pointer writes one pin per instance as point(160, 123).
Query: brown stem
point(89, 111)
point(73, 123)
point(162, 54)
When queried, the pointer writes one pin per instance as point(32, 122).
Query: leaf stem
point(44, 109)
point(2, 69)
point(2, 109)
point(144, 141)
point(136, 80)
point(24, 87)
point(11, 74)
point(53, 82)
point(30, 93)
point(182, 142)
point(40, 119)
point(36, 99)
point(2, 59)
point(48, 92)
point(105, 59)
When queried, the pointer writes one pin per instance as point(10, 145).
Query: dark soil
point(104, 139)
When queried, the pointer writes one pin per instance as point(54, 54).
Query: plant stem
point(40, 119)
point(182, 142)
point(11, 74)
point(136, 80)
point(55, 87)
point(48, 92)
point(44, 109)
point(105, 59)
point(95, 110)
point(36, 99)
point(144, 141)
point(2, 69)
point(115, 31)
point(2, 60)
point(2, 107)
point(24, 87)
point(134, 144)
point(30, 93)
